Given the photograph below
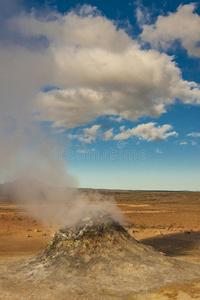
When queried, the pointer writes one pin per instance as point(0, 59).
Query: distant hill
point(10, 190)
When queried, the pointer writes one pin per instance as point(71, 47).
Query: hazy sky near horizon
point(115, 85)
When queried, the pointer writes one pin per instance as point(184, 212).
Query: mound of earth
point(97, 258)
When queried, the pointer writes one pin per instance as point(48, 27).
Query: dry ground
point(168, 221)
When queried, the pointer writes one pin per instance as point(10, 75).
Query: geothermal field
point(99, 150)
point(146, 248)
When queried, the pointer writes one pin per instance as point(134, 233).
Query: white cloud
point(142, 14)
point(148, 132)
point(85, 140)
point(183, 143)
point(194, 134)
point(183, 25)
point(82, 151)
point(85, 150)
point(90, 134)
point(193, 143)
point(98, 69)
point(107, 135)
point(159, 151)
point(116, 119)
point(72, 136)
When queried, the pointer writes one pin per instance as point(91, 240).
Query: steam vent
point(96, 235)
point(98, 258)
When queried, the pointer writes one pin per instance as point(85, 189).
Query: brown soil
point(21, 236)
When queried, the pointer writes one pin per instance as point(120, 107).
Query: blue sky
point(115, 84)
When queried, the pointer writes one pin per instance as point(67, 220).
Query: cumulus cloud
point(147, 132)
point(92, 131)
point(183, 25)
point(97, 69)
point(194, 134)
point(89, 134)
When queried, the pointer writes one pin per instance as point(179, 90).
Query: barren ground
point(168, 221)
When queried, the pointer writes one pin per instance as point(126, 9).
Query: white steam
point(42, 184)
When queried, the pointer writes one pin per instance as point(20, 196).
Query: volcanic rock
point(95, 235)
point(97, 257)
